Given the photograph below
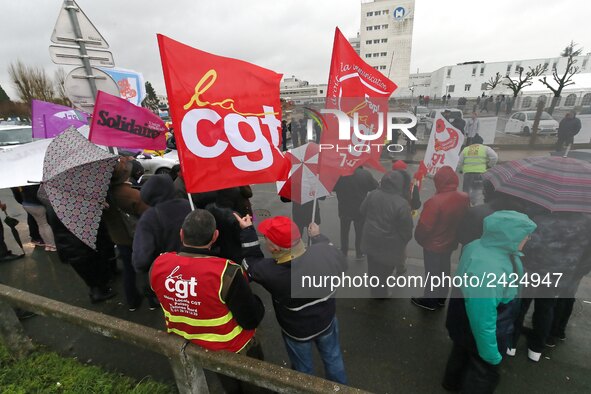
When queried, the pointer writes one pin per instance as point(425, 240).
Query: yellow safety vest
point(475, 159)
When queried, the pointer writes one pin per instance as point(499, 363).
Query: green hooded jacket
point(489, 260)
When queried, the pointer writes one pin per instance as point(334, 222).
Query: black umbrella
point(12, 222)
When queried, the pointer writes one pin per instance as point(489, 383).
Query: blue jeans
point(300, 354)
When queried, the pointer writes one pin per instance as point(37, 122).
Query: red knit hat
point(399, 165)
point(280, 230)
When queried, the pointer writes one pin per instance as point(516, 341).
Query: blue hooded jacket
point(484, 318)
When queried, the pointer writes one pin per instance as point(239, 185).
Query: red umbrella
point(303, 184)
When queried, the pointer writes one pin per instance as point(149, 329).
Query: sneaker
point(551, 341)
point(423, 303)
point(511, 351)
point(38, 242)
point(533, 356)
point(153, 303)
point(133, 306)
point(100, 294)
point(49, 248)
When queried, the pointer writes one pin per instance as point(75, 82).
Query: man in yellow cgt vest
point(475, 159)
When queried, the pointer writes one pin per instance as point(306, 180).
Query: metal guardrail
point(187, 361)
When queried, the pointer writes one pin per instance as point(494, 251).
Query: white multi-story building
point(356, 43)
point(470, 79)
point(386, 39)
point(301, 92)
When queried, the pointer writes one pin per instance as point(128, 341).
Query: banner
point(354, 87)
point(443, 149)
point(131, 84)
point(227, 118)
point(27, 159)
point(117, 122)
point(49, 119)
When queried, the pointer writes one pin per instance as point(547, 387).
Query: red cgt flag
point(227, 118)
point(353, 87)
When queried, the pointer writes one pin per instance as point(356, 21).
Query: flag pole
point(191, 201)
point(314, 205)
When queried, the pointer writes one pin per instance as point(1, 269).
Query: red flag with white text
point(227, 118)
point(361, 92)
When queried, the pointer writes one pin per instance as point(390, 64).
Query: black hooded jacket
point(158, 230)
point(388, 221)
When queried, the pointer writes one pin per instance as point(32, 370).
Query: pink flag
point(117, 122)
point(51, 119)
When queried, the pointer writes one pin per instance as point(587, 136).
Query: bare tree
point(564, 80)
point(31, 82)
point(493, 82)
point(60, 89)
point(524, 78)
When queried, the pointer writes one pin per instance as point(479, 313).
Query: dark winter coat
point(351, 190)
point(560, 244)
point(388, 222)
point(442, 214)
point(228, 243)
point(158, 230)
point(122, 198)
point(569, 127)
point(299, 318)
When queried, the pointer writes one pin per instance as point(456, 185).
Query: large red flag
point(353, 87)
point(227, 118)
point(117, 122)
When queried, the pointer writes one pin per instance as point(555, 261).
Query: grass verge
point(47, 372)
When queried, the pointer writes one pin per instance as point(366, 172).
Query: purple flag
point(51, 119)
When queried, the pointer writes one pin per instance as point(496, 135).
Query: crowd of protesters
point(167, 244)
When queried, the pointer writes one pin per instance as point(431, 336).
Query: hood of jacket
point(392, 183)
point(158, 188)
point(506, 229)
point(446, 180)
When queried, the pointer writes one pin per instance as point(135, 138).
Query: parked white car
point(522, 123)
point(11, 136)
point(154, 164)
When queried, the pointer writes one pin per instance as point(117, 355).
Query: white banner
point(445, 144)
point(23, 165)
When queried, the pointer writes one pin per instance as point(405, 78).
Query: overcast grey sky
point(294, 37)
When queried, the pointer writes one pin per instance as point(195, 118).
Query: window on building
point(584, 65)
point(383, 53)
point(368, 55)
point(481, 71)
point(377, 13)
point(384, 26)
point(546, 64)
point(321, 91)
point(448, 72)
point(517, 67)
point(586, 99)
point(382, 67)
point(473, 71)
point(451, 88)
point(386, 12)
point(467, 87)
point(384, 40)
point(376, 41)
point(370, 14)
point(554, 65)
point(508, 69)
point(376, 54)
point(376, 27)
point(484, 86)
point(368, 42)
point(570, 100)
point(369, 28)
point(526, 102)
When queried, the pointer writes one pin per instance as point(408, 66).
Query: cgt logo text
point(362, 137)
point(182, 288)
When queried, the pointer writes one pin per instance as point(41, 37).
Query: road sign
point(79, 91)
point(64, 31)
point(72, 56)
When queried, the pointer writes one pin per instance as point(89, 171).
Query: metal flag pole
point(191, 201)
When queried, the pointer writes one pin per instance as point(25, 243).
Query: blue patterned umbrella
point(76, 176)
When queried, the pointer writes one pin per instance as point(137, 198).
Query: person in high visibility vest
point(475, 159)
point(207, 299)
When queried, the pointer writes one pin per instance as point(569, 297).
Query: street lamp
point(412, 92)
